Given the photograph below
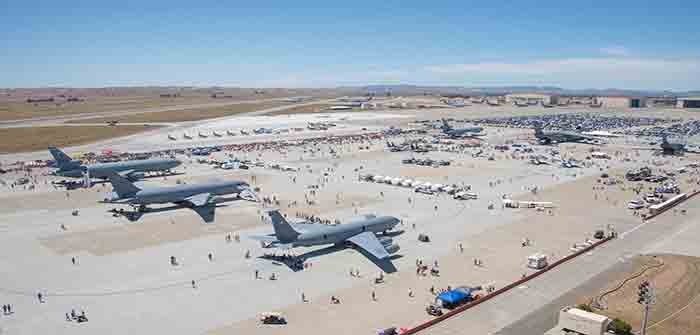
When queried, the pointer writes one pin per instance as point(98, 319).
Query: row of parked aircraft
point(202, 198)
point(188, 136)
point(370, 234)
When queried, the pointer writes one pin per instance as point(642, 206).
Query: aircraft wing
point(265, 238)
point(206, 212)
point(369, 242)
point(126, 173)
point(199, 200)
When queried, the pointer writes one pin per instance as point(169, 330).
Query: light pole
point(647, 297)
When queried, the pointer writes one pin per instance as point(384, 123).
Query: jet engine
point(385, 241)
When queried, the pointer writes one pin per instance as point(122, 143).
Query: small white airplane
point(202, 135)
point(172, 137)
point(230, 133)
point(217, 134)
point(187, 136)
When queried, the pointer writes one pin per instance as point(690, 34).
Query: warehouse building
point(622, 102)
point(693, 102)
point(529, 98)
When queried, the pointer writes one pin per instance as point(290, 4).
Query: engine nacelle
point(392, 248)
point(136, 176)
point(385, 240)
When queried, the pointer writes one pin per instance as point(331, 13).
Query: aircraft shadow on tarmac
point(293, 263)
point(207, 213)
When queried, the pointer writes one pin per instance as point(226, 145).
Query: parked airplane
point(201, 198)
point(203, 135)
point(217, 134)
point(460, 132)
point(554, 137)
point(361, 233)
point(454, 103)
point(133, 170)
point(187, 136)
point(172, 137)
point(230, 133)
point(668, 148)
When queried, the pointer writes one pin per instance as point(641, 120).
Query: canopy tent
point(455, 297)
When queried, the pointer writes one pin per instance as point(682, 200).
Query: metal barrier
point(692, 194)
point(502, 290)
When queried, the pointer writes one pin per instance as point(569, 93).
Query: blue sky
point(583, 44)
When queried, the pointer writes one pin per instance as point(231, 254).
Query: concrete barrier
point(690, 195)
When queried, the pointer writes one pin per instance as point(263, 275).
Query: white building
point(577, 321)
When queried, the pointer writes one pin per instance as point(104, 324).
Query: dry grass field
point(184, 115)
point(18, 110)
point(14, 105)
point(13, 140)
point(677, 284)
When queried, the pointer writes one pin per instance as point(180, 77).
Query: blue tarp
point(455, 296)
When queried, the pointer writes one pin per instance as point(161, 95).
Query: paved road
point(534, 306)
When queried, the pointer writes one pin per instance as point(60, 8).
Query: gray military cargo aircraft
point(202, 198)
point(132, 170)
point(361, 233)
point(460, 132)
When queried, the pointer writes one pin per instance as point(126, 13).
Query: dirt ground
point(676, 279)
point(24, 139)
point(14, 105)
point(186, 114)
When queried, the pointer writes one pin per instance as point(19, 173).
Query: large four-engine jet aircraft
point(202, 198)
point(133, 170)
point(360, 232)
point(460, 132)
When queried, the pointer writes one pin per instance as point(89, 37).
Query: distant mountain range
point(415, 89)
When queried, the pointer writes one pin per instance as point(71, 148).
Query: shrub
point(620, 327)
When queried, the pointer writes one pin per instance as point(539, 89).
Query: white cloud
point(569, 65)
point(617, 50)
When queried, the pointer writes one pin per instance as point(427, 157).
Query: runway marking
point(622, 236)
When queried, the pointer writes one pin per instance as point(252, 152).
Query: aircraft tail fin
point(445, 125)
point(61, 158)
point(283, 230)
point(122, 186)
